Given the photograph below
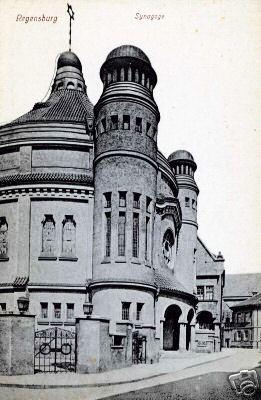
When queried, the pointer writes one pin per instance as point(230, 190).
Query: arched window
point(70, 85)
point(3, 238)
point(167, 246)
point(69, 236)
point(48, 236)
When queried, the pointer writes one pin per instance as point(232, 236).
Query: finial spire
point(71, 15)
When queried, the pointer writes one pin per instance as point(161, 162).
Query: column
point(192, 338)
point(182, 336)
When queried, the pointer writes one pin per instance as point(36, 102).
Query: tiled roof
point(42, 177)
point(242, 284)
point(253, 301)
point(165, 280)
point(62, 105)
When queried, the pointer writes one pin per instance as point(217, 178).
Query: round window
point(167, 246)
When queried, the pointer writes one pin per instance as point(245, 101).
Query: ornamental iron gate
point(54, 350)
point(139, 344)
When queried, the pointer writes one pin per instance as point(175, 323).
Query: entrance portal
point(171, 328)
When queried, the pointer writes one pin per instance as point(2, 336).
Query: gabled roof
point(252, 302)
point(64, 105)
point(242, 284)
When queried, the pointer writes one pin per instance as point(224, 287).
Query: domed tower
point(184, 167)
point(125, 184)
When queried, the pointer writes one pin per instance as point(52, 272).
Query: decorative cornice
point(45, 177)
point(122, 152)
point(122, 283)
point(170, 206)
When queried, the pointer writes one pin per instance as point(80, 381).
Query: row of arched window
point(49, 248)
point(129, 74)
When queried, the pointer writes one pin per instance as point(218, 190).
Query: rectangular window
point(240, 318)
point(209, 293)
point(108, 234)
point(2, 306)
point(138, 127)
point(135, 238)
point(136, 200)
point(246, 335)
point(239, 336)
point(57, 310)
point(118, 340)
point(107, 197)
point(122, 199)
point(186, 201)
point(194, 204)
point(114, 122)
point(125, 311)
point(44, 310)
point(200, 292)
point(126, 122)
point(121, 233)
point(103, 125)
point(138, 311)
point(148, 126)
point(147, 238)
point(148, 203)
point(70, 311)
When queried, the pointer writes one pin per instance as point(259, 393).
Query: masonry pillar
point(182, 336)
point(17, 344)
point(93, 345)
point(161, 333)
point(24, 210)
point(192, 338)
point(217, 337)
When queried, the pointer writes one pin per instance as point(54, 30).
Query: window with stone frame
point(122, 199)
point(57, 310)
point(114, 122)
point(48, 236)
point(2, 307)
point(125, 310)
point(139, 311)
point(187, 202)
point(3, 238)
point(138, 127)
point(107, 197)
point(135, 235)
point(209, 293)
point(136, 200)
point(44, 310)
point(103, 127)
point(68, 237)
point(126, 122)
point(121, 234)
point(69, 310)
point(107, 234)
point(200, 292)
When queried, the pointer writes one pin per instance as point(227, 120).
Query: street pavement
point(180, 377)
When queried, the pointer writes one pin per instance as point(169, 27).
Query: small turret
point(69, 73)
point(184, 167)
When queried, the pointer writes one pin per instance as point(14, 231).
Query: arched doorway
point(188, 328)
point(171, 328)
point(205, 320)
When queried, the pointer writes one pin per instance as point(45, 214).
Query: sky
point(206, 54)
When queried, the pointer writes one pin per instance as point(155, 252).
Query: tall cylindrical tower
point(184, 167)
point(125, 183)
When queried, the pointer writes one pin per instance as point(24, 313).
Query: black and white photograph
point(130, 200)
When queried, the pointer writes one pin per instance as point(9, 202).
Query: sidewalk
point(168, 363)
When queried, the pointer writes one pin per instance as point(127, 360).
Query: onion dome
point(68, 101)
point(69, 59)
point(128, 63)
point(180, 155)
point(128, 51)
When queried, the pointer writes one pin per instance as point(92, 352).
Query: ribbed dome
point(180, 155)
point(69, 59)
point(128, 51)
